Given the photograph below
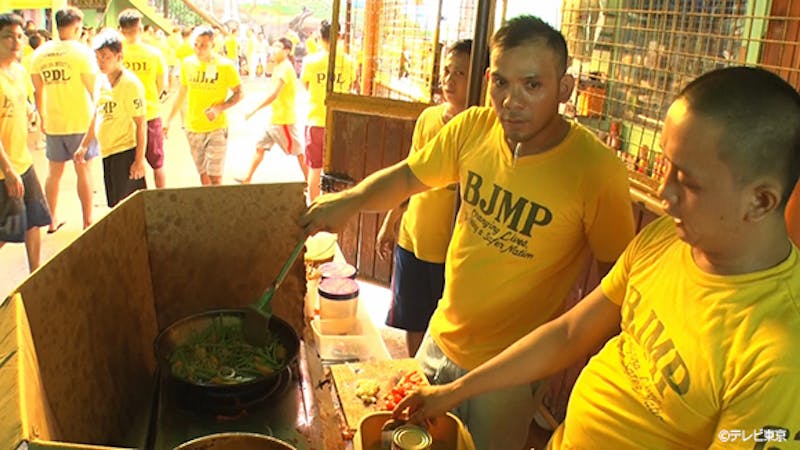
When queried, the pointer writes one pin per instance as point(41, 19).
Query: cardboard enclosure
point(76, 338)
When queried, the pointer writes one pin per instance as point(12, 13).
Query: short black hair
point(286, 43)
point(461, 46)
point(110, 39)
point(202, 30)
point(34, 40)
point(760, 116)
point(325, 31)
point(525, 29)
point(9, 20)
point(68, 16)
point(129, 18)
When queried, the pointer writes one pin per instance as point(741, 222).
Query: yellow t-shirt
point(700, 359)
point(315, 73)
point(14, 86)
point(312, 45)
point(231, 48)
point(428, 222)
point(522, 232)
point(283, 107)
point(208, 84)
point(184, 50)
point(27, 58)
point(147, 63)
point(116, 108)
point(173, 42)
point(67, 104)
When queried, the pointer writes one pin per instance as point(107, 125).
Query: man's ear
point(765, 197)
point(565, 86)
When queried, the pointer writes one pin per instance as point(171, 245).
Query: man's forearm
point(235, 98)
point(176, 106)
point(385, 188)
point(548, 349)
point(141, 137)
point(5, 162)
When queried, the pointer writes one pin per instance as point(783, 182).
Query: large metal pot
point(217, 398)
point(235, 441)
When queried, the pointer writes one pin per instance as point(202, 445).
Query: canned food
point(411, 437)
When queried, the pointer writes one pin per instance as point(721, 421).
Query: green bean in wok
point(220, 354)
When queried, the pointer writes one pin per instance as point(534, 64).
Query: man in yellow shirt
point(283, 129)
point(538, 192)
point(119, 121)
point(212, 85)
point(232, 46)
point(314, 77)
point(63, 73)
point(23, 208)
point(426, 222)
point(701, 313)
point(147, 63)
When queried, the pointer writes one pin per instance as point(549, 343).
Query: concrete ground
point(180, 172)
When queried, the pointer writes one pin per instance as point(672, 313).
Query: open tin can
point(411, 437)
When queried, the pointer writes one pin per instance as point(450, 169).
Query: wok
point(235, 441)
point(221, 398)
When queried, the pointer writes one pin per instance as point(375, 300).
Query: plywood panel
point(11, 431)
point(220, 247)
point(92, 324)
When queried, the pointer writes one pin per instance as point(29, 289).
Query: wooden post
point(480, 47)
point(371, 19)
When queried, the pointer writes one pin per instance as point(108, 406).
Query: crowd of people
point(99, 92)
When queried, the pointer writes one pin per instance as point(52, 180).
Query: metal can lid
point(410, 437)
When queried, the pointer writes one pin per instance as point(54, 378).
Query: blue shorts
point(416, 289)
point(20, 217)
point(62, 147)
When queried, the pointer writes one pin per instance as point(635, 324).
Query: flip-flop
point(58, 227)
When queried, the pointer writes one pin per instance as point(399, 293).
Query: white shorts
point(286, 136)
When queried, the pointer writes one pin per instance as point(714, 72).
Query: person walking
point(315, 79)
point(63, 73)
point(212, 85)
point(23, 209)
point(282, 129)
point(147, 63)
point(119, 121)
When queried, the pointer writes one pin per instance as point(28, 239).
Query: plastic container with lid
point(337, 269)
point(338, 305)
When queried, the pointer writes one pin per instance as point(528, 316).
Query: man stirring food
point(538, 192)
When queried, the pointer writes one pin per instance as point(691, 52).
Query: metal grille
point(631, 57)
point(402, 62)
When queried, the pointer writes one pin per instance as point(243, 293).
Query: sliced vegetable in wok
point(221, 355)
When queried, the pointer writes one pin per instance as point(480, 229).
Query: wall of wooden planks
point(366, 135)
